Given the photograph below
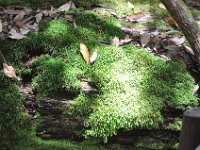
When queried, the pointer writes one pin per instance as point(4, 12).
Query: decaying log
point(60, 128)
point(53, 124)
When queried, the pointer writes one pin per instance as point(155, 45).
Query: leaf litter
point(168, 43)
point(16, 22)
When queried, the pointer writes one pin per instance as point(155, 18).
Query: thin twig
point(4, 60)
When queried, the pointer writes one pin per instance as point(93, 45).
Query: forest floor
point(41, 29)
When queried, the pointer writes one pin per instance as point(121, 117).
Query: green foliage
point(54, 75)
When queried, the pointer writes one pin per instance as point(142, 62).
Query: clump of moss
point(134, 87)
point(176, 125)
point(34, 3)
point(82, 106)
point(87, 3)
point(54, 74)
point(102, 28)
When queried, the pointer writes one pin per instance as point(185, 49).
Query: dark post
point(190, 133)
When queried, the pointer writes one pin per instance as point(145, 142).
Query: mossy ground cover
point(133, 86)
point(149, 142)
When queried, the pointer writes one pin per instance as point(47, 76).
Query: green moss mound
point(54, 74)
point(134, 87)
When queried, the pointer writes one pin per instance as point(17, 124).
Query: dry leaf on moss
point(115, 41)
point(162, 6)
point(84, 51)
point(9, 71)
point(93, 57)
point(130, 5)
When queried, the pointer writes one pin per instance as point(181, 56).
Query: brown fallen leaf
point(20, 16)
point(38, 17)
point(162, 6)
point(14, 35)
point(1, 26)
point(69, 17)
point(146, 18)
point(67, 6)
point(84, 51)
point(24, 30)
point(18, 19)
point(130, 5)
point(34, 26)
point(171, 21)
point(11, 11)
point(93, 57)
point(115, 41)
point(189, 50)
point(75, 25)
point(176, 40)
point(45, 13)
point(134, 17)
point(140, 17)
point(125, 41)
point(9, 71)
point(145, 39)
